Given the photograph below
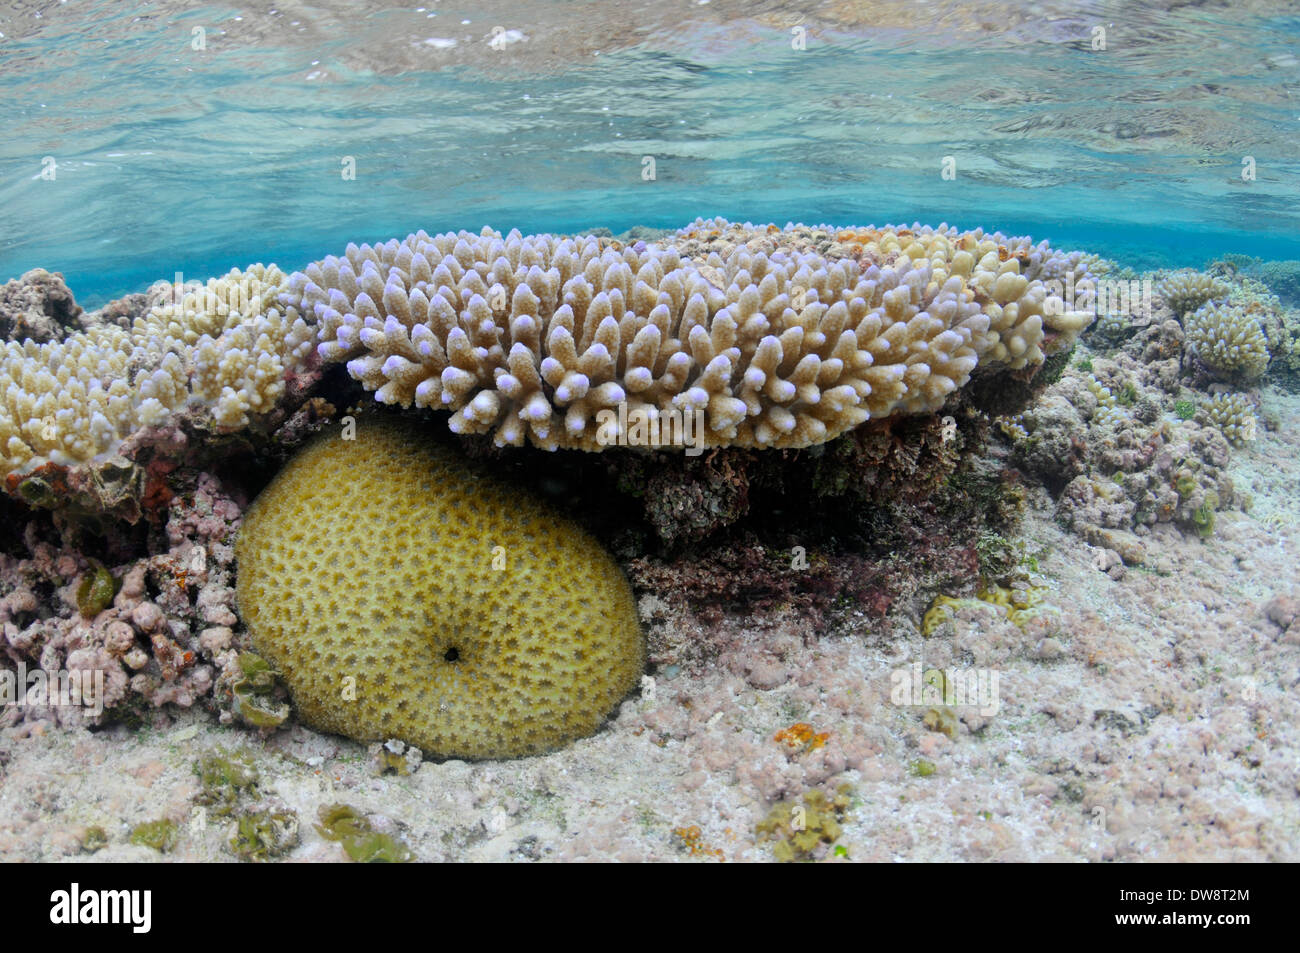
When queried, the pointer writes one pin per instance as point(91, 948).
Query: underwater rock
point(1101, 441)
point(37, 307)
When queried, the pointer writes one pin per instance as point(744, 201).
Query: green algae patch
point(921, 768)
point(255, 703)
point(223, 779)
point(160, 835)
point(799, 827)
point(96, 590)
point(942, 720)
point(96, 839)
point(361, 842)
point(264, 835)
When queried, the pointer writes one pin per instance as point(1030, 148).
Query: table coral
point(494, 628)
point(770, 337)
point(532, 338)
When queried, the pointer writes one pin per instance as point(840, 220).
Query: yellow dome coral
point(405, 595)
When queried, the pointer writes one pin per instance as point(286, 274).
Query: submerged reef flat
point(978, 558)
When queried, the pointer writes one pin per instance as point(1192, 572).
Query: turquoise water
point(169, 158)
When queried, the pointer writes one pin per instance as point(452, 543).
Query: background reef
point(762, 574)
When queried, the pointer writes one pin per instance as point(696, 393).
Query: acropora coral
point(1234, 416)
point(224, 347)
point(1228, 340)
point(1187, 290)
point(532, 338)
point(491, 627)
point(787, 337)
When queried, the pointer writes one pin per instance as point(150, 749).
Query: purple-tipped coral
point(540, 338)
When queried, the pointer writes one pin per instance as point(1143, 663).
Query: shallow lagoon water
point(175, 158)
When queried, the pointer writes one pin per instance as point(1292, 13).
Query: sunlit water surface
point(551, 117)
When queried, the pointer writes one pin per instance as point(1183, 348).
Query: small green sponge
point(404, 594)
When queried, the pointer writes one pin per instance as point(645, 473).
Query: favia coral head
point(404, 595)
point(769, 341)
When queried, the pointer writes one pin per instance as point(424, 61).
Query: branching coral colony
point(780, 337)
point(777, 344)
